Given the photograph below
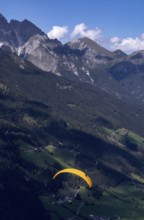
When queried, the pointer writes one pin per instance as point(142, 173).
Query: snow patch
point(58, 73)
point(86, 71)
point(76, 72)
point(19, 51)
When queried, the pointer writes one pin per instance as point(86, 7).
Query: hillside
point(48, 123)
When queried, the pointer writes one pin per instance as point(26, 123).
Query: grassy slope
point(116, 201)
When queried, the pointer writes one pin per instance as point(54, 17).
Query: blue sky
point(112, 23)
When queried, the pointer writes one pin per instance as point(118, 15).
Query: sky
point(114, 24)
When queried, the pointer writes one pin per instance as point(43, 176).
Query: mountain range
point(84, 60)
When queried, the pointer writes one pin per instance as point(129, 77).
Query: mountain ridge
point(82, 60)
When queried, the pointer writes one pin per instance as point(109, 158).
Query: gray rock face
point(37, 51)
point(94, 54)
point(28, 41)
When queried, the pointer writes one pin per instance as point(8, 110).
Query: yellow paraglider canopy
point(77, 172)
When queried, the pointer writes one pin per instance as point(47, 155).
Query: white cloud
point(114, 40)
point(81, 30)
point(128, 44)
point(58, 32)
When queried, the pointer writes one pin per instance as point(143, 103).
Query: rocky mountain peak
point(92, 49)
point(137, 55)
point(82, 43)
point(24, 30)
point(16, 33)
point(120, 54)
point(29, 26)
point(3, 19)
point(14, 23)
point(26, 25)
point(93, 53)
point(3, 22)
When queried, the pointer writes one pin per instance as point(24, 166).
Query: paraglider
point(80, 173)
